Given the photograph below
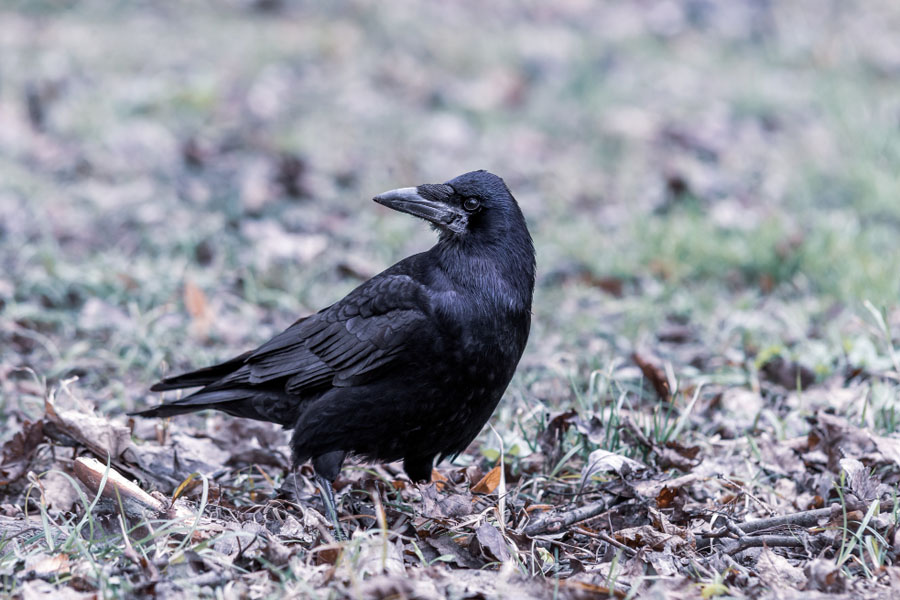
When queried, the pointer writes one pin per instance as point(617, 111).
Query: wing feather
point(347, 342)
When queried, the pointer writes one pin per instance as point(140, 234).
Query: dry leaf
point(18, 451)
point(439, 480)
point(490, 539)
point(788, 374)
point(655, 375)
point(648, 536)
point(550, 439)
point(777, 572)
point(680, 457)
point(824, 576)
point(444, 506)
point(461, 556)
point(94, 432)
point(489, 482)
point(46, 565)
point(604, 461)
point(666, 496)
point(59, 492)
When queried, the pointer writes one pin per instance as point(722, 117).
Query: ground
point(708, 405)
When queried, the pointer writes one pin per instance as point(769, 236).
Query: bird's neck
point(497, 272)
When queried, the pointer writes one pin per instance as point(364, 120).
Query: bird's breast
point(486, 343)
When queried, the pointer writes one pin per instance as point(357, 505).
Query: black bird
point(410, 364)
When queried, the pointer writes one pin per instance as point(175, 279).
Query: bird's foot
point(330, 507)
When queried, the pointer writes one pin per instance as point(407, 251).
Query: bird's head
point(476, 204)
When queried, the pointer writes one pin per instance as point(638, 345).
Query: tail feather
point(168, 410)
point(200, 400)
point(262, 405)
point(200, 377)
point(226, 387)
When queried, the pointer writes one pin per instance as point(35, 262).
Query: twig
point(743, 532)
point(599, 535)
point(806, 518)
point(747, 493)
point(553, 522)
point(758, 541)
point(616, 543)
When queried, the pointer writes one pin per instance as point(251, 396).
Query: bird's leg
point(330, 507)
point(327, 467)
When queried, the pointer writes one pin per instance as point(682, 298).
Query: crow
point(409, 365)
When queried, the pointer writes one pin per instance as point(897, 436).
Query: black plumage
point(410, 364)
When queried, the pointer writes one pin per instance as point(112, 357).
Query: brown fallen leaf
point(678, 456)
point(655, 375)
point(860, 483)
point(489, 482)
point(57, 491)
point(439, 480)
point(666, 496)
point(94, 432)
point(838, 438)
point(550, 439)
point(326, 554)
point(18, 452)
point(458, 555)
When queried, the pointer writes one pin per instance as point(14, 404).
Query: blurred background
point(180, 180)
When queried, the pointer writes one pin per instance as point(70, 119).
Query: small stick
point(614, 542)
point(758, 541)
point(553, 522)
point(806, 518)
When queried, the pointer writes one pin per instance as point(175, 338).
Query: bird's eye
point(471, 204)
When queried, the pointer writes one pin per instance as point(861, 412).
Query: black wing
point(348, 343)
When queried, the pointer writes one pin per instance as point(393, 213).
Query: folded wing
point(349, 343)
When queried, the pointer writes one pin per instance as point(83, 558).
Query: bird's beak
point(424, 202)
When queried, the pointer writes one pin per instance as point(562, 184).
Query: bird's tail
point(170, 410)
point(200, 377)
point(202, 399)
point(226, 387)
point(229, 400)
point(260, 404)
